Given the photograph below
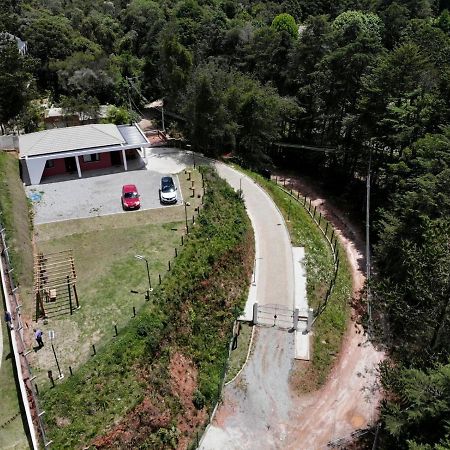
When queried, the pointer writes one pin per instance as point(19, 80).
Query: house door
point(116, 159)
point(71, 165)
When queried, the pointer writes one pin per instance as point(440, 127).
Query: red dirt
point(183, 381)
point(135, 426)
point(349, 399)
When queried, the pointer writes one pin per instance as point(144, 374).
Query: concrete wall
point(9, 142)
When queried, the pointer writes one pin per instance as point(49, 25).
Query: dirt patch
point(183, 380)
point(143, 420)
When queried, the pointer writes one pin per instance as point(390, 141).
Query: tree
point(285, 22)
point(416, 415)
point(413, 255)
point(15, 80)
point(175, 65)
point(118, 115)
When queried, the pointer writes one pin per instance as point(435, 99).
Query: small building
point(58, 118)
point(21, 45)
point(78, 149)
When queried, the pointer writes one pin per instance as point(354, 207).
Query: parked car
point(168, 190)
point(130, 197)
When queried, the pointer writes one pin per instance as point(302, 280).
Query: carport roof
point(67, 139)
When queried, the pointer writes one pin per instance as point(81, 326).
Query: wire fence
point(324, 226)
point(14, 307)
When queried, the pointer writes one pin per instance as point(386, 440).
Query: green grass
point(15, 218)
point(192, 313)
point(239, 355)
point(12, 434)
point(331, 324)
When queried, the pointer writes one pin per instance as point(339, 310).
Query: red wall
point(105, 161)
point(58, 168)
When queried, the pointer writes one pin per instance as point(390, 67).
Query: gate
point(282, 317)
point(279, 316)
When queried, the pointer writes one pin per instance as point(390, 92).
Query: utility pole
point(162, 117)
point(369, 300)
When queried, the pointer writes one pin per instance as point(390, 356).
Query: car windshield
point(131, 195)
point(167, 185)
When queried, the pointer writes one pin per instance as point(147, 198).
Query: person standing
point(38, 335)
point(8, 320)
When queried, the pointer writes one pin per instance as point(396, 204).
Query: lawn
point(239, 354)
point(14, 217)
point(107, 272)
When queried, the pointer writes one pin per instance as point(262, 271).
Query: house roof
point(67, 139)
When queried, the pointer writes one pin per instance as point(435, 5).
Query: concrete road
point(256, 406)
point(94, 196)
point(274, 272)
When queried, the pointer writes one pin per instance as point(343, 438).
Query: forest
point(359, 81)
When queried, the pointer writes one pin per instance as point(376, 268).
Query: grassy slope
point(192, 312)
point(14, 207)
point(330, 326)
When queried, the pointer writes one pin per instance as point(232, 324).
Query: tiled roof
point(68, 139)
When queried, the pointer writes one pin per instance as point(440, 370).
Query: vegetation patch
point(330, 326)
point(16, 219)
point(238, 356)
point(167, 364)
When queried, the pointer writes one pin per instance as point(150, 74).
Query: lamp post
point(51, 335)
point(193, 154)
point(143, 258)
point(162, 116)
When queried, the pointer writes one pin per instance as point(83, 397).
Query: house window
point(91, 158)
point(49, 164)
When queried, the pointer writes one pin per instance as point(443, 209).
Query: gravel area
point(95, 195)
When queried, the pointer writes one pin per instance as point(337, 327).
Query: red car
point(130, 197)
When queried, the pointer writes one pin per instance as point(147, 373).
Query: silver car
point(168, 190)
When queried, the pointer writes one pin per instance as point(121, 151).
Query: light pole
point(162, 116)
point(193, 154)
point(143, 258)
point(51, 335)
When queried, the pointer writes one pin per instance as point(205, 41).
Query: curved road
point(256, 407)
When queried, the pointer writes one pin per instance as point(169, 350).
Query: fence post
point(93, 348)
point(159, 278)
point(298, 195)
point(176, 252)
point(255, 313)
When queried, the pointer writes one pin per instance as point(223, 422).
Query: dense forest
point(364, 80)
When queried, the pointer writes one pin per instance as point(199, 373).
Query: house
point(78, 149)
point(58, 118)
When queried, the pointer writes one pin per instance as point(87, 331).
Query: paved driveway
point(94, 196)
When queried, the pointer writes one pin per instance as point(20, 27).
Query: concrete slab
point(301, 302)
point(94, 196)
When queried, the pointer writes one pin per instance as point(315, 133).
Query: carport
point(85, 147)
